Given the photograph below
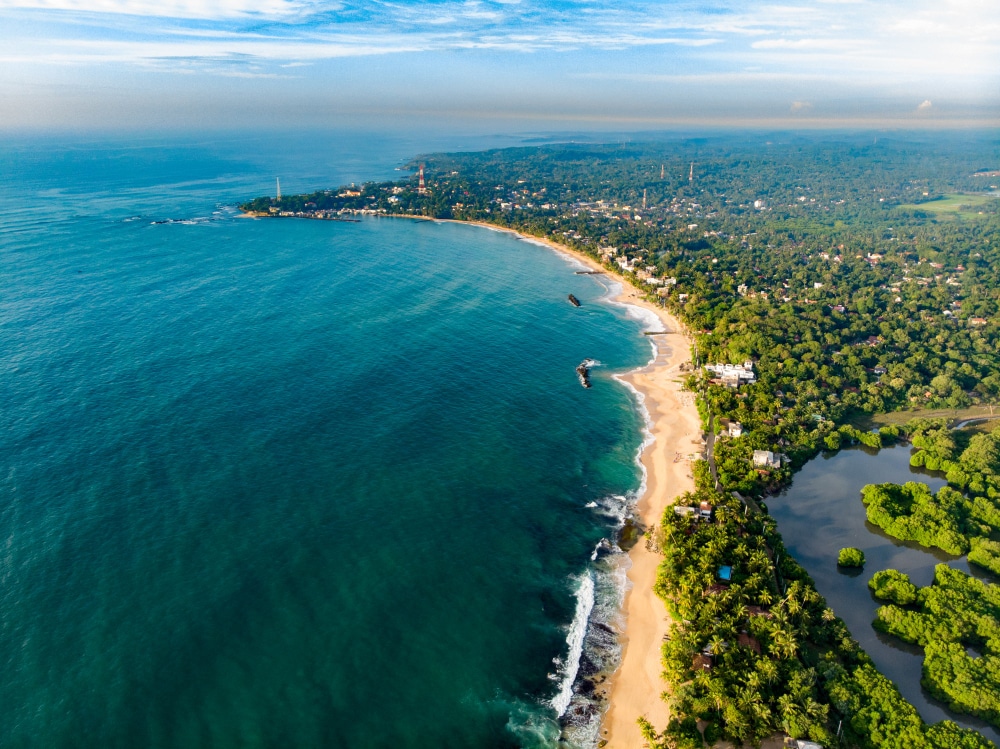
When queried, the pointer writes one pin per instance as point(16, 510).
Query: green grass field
point(954, 415)
point(954, 204)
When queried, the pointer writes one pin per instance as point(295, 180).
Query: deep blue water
point(272, 483)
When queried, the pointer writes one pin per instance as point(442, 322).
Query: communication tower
point(644, 199)
point(662, 172)
point(278, 181)
point(691, 173)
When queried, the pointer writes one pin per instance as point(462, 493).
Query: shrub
point(851, 557)
point(891, 585)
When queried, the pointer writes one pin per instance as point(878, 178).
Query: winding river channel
point(821, 513)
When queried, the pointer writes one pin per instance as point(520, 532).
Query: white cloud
point(912, 48)
point(193, 9)
point(808, 44)
point(924, 106)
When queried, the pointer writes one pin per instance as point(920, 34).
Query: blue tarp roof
point(725, 572)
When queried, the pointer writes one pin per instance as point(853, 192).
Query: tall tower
point(421, 185)
point(661, 171)
point(691, 173)
point(278, 181)
point(644, 199)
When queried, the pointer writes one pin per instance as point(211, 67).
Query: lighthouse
point(421, 185)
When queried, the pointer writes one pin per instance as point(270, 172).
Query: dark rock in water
point(579, 714)
point(604, 548)
point(574, 301)
point(584, 372)
point(601, 626)
point(587, 667)
point(630, 534)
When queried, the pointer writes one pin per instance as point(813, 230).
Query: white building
point(766, 459)
point(733, 375)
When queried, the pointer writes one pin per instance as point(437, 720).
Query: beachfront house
point(766, 459)
point(733, 375)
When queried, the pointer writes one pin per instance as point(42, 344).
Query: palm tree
point(758, 560)
point(784, 644)
point(717, 693)
point(790, 711)
point(717, 644)
point(740, 610)
point(768, 670)
point(816, 711)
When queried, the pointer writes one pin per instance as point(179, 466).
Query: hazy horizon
point(499, 64)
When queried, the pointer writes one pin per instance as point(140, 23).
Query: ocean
point(276, 482)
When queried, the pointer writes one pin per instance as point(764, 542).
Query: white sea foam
point(648, 438)
point(601, 652)
point(577, 631)
point(650, 320)
point(599, 618)
point(566, 255)
point(615, 506)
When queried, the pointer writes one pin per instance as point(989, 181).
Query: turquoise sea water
point(273, 483)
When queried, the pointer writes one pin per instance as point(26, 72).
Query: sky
point(499, 63)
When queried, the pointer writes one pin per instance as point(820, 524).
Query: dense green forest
point(832, 264)
point(762, 652)
point(956, 620)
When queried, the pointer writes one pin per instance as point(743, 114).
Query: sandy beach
point(636, 687)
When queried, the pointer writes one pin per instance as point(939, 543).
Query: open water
point(276, 483)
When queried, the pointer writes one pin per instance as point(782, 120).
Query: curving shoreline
point(636, 687)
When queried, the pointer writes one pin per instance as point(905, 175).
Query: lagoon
point(821, 513)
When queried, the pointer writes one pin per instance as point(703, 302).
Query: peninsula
point(824, 281)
